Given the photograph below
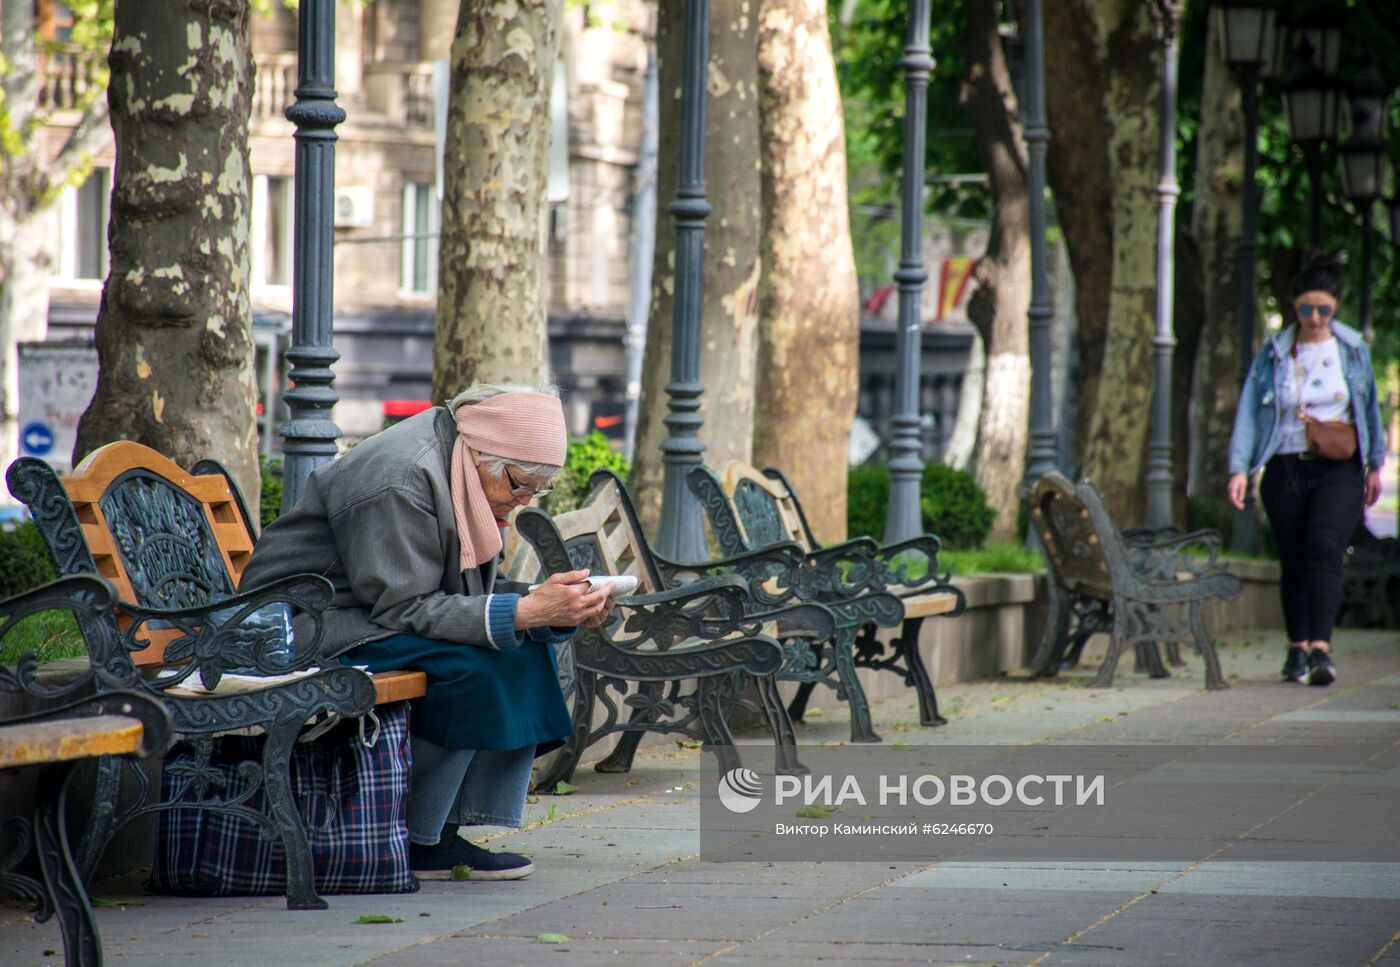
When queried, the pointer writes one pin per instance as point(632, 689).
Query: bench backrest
point(602, 535)
point(1070, 533)
point(767, 507)
point(164, 536)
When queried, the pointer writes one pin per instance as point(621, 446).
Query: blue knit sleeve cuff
point(550, 635)
point(500, 621)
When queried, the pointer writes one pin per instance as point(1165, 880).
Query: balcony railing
point(67, 77)
point(401, 91)
point(275, 84)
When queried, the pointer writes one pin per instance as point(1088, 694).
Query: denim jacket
point(1258, 423)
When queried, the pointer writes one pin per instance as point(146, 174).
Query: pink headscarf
point(525, 426)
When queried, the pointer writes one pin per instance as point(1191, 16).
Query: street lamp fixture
point(1321, 26)
point(1363, 160)
point(1247, 31)
point(1309, 98)
point(1363, 153)
point(1310, 101)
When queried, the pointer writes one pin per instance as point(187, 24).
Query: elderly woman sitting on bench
point(406, 526)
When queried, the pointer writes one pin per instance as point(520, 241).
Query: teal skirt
point(478, 698)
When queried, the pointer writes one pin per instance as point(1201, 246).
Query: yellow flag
point(952, 283)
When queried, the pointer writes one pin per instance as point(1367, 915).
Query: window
point(83, 214)
point(272, 230)
point(420, 243)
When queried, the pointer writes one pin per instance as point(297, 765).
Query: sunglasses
point(1307, 309)
point(516, 490)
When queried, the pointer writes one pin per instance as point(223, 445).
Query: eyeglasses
point(1323, 311)
point(516, 490)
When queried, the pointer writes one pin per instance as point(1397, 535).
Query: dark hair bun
point(1320, 273)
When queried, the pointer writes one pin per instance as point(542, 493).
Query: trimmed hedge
point(270, 503)
point(951, 505)
point(24, 559)
point(586, 454)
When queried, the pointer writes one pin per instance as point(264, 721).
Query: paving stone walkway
point(618, 874)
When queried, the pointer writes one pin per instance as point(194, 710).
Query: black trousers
point(1314, 506)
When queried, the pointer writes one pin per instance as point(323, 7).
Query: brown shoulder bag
point(1330, 439)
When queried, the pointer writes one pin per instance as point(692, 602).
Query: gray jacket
point(378, 524)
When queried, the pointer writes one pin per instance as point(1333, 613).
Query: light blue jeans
point(484, 787)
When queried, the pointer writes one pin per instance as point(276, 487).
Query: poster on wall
point(56, 383)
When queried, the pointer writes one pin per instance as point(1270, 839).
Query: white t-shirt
point(1314, 378)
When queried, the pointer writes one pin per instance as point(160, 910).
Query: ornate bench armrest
point(771, 573)
point(1165, 557)
point(90, 600)
point(219, 636)
point(1158, 590)
point(925, 546)
point(686, 658)
point(842, 571)
point(711, 608)
point(813, 621)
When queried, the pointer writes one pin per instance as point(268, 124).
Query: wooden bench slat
point(41, 742)
point(924, 605)
point(398, 686)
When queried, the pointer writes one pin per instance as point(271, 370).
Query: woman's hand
point(601, 618)
point(1373, 486)
point(1239, 484)
point(563, 599)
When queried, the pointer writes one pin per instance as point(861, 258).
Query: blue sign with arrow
point(36, 439)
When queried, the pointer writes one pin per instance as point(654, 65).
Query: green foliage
point(954, 507)
point(586, 454)
point(24, 560)
point(51, 635)
point(951, 504)
point(25, 563)
point(270, 504)
point(867, 495)
point(867, 50)
point(993, 559)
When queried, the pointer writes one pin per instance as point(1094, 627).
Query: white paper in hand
point(618, 585)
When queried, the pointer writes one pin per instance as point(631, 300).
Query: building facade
point(386, 217)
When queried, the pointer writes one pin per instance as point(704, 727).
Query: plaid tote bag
point(352, 797)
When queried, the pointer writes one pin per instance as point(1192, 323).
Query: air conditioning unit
point(354, 207)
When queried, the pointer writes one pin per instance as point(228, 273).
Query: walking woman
point(1309, 416)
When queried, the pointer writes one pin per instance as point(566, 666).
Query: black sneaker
point(1295, 666)
point(1321, 671)
point(437, 862)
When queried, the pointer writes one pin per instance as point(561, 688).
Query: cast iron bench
point(1371, 582)
point(682, 625)
point(174, 545)
point(1139, 585)
point(55, 740)
point(867, 586)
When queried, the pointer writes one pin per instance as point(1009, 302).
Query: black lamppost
point(1363, 161)
point(1310, 99)
point(902, 518)
point(1040, 459)
point(1246, 30)
point(309, 435)
point(681, 535)
point(1159, 454)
